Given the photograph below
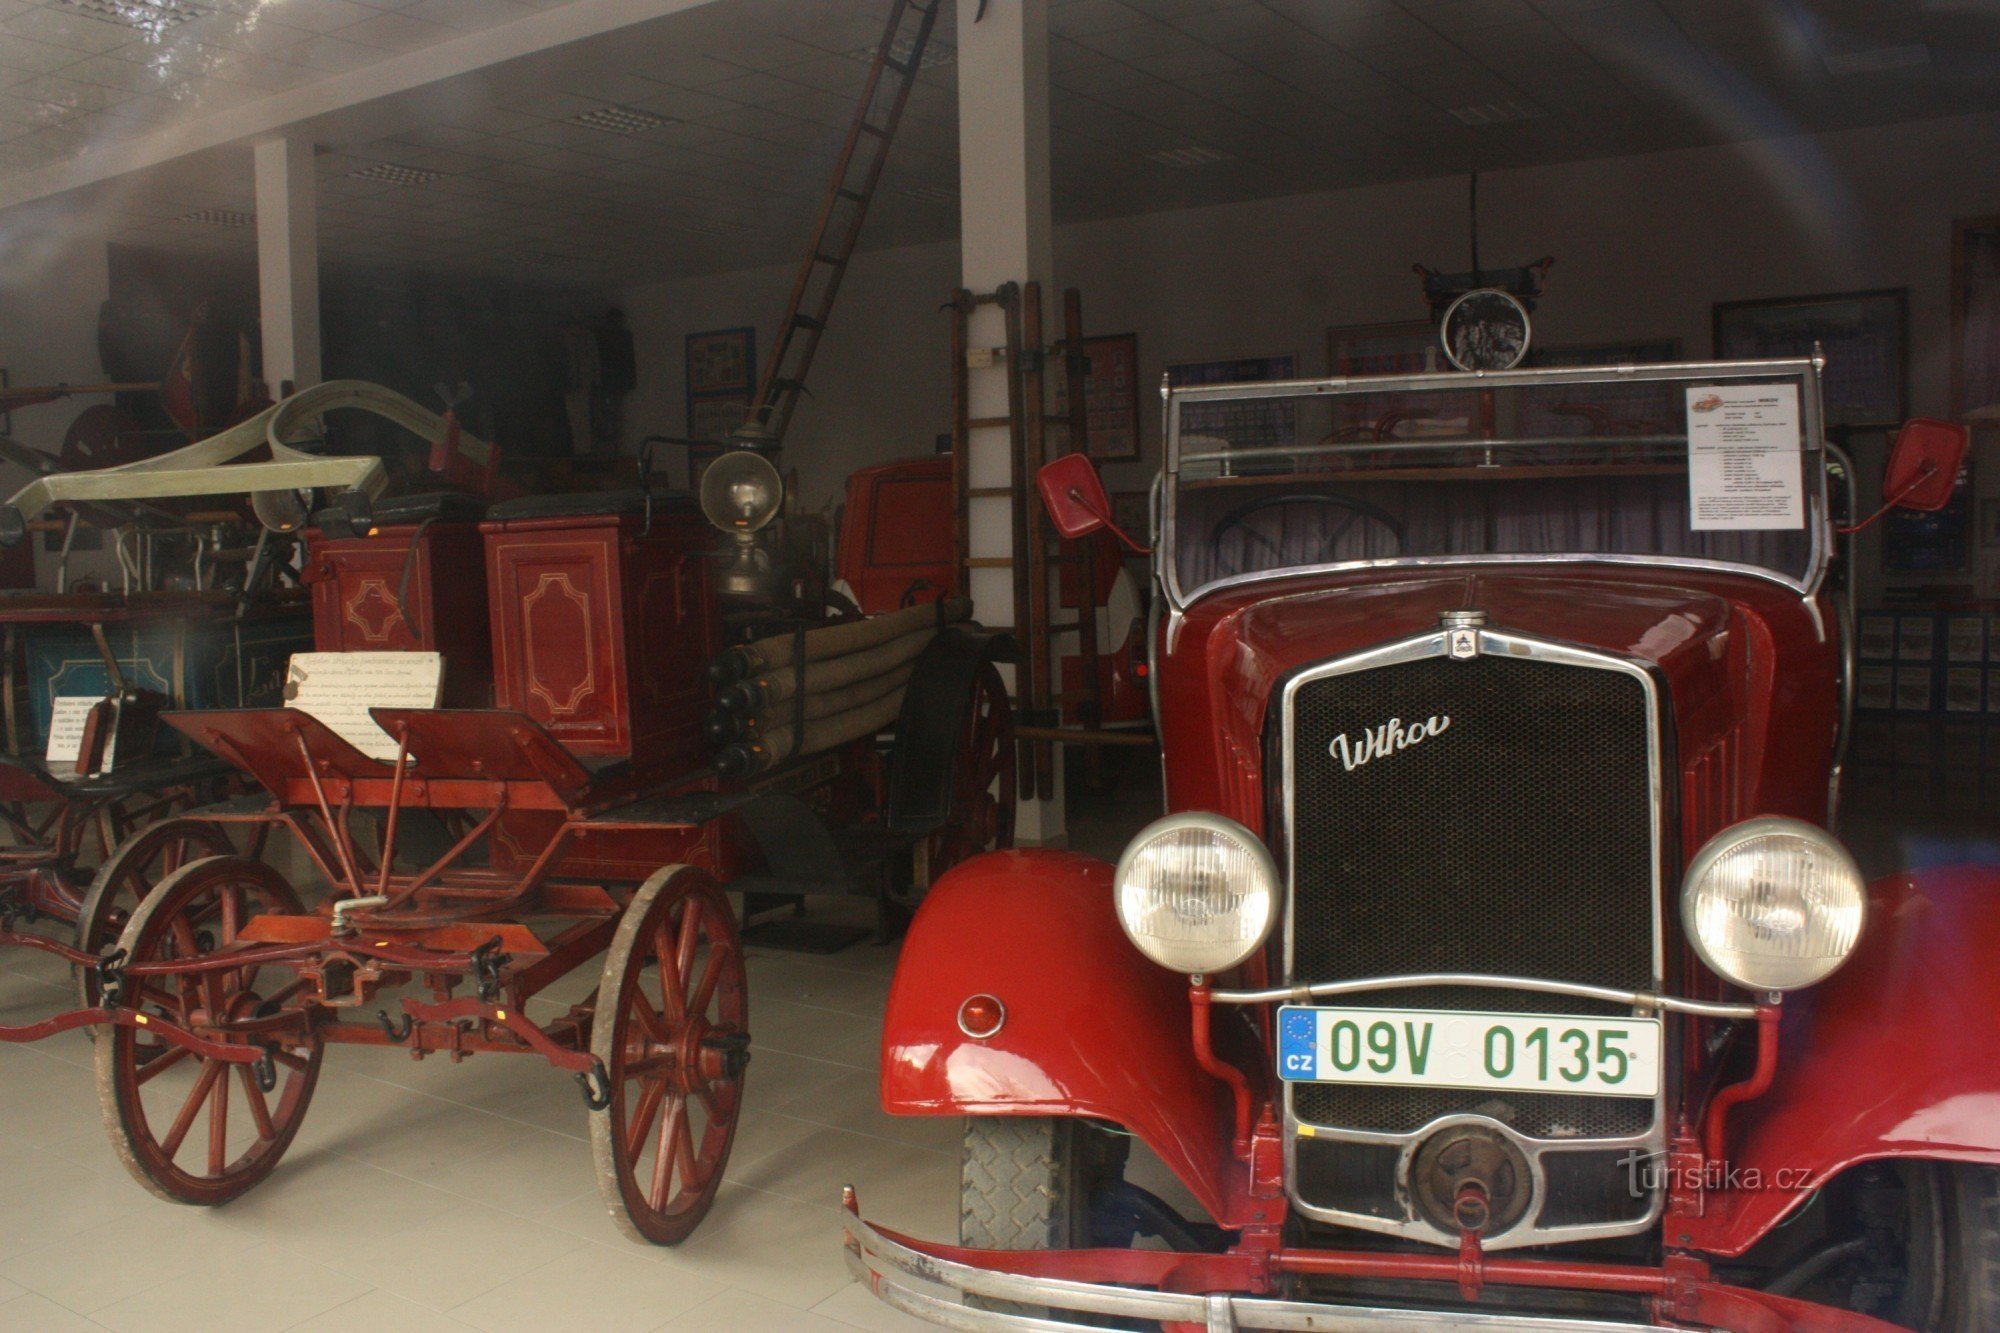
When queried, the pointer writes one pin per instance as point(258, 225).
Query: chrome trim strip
point(1321, 990)
point(899, 1277)
point(1434, 643)
point(1812, 435)
point(1465, 380)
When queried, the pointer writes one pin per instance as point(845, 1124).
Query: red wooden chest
point(423, 558)
point(602, 623)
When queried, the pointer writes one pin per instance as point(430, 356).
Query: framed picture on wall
point(1975, 321)
point(1110, 394)
point(721, 376)
point(1250, 424)
point(1933, 543)
point(1865, 336)
point(1406, 347)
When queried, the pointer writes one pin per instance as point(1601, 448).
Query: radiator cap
point(1461, 632)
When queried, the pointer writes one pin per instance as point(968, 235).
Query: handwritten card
point(340, 688)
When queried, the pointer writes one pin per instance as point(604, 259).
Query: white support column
point(1006, 227)
point(288, 261)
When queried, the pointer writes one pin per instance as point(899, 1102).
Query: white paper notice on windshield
point(1745, 470)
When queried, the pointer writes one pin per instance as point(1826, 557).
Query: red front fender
point(1894, 1056)
point(1092, 1028)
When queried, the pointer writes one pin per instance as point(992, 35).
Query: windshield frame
point(1813, 446)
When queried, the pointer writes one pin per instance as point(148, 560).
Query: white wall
point(1644, 247)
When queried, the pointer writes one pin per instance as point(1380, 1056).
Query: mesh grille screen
point(1515, 841)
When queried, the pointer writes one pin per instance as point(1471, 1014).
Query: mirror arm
point(1890, 502)
point(1083, 502)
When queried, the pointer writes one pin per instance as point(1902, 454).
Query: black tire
point(1028, 1183)
point(1924, 1246)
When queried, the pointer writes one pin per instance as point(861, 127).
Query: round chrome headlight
point(1773, 904)
point(1197, 892)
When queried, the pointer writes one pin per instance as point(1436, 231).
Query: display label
point(1745, 472)
point(66, 727)
point(340, 688)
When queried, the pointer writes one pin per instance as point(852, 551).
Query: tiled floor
point(432, 1196)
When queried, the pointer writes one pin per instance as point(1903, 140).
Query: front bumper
point(928, 1283)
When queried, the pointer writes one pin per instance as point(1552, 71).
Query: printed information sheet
point(1745, 469)
point(66, 727)
point(340, 688)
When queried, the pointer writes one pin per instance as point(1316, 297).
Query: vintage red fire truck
point(1497, 963)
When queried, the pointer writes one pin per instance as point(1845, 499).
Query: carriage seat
point(404, 510)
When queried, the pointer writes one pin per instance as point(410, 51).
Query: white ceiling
point(1157, 104)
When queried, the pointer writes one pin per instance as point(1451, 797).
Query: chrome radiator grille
point(1516, 840)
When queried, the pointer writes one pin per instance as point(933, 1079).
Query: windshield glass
point(1717, 463)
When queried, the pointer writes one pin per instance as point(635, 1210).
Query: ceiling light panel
point(1495, 113)
point(1194, 155)
point(391, 173)
point(618, 120)
point(154, 16)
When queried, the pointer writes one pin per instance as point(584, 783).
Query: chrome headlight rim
point(1220, 825)
point(1728, 840)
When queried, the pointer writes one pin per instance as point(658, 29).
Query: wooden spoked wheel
point(138, 865)
point(672, 1033)
point(983, 791)
point(193, 1129)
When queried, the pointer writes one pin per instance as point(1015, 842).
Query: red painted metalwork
point(1093, 1028)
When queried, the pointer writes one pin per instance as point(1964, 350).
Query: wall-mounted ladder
point(1036, 550)
point(898, 61)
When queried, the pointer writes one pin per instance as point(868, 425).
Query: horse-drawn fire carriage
point(632, 723)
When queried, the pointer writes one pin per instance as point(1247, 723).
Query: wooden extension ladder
point(1039, 696)
point(898, 60)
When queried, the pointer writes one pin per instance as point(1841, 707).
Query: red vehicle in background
point(895, 550)
point(1495, 965)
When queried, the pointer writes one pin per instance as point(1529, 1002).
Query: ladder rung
point(990, 493)
point(1062, 626)
point(989, 562)
point(876, 130)
point(899, 66)
point(856, 196)
point(837, 261)
point(805, 321)
point(1074, 697)
point(979, 423)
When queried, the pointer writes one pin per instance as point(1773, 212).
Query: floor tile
point(596, 1288)
point(462, 1253)
point(740, 1312)
point(105, 1264)
point(263, 1287)
point(39, 1314)
point(768, 1245)
point(856, 1307)
point(378, 1312)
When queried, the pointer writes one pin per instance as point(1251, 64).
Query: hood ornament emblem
point(1461, 632)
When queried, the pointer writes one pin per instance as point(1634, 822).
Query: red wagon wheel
point(192, 1129)
point(124, 881)
point(672, 1032)
point(983, 792)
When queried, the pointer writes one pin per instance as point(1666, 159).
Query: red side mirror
point(1074, 495)
point(1924, 463)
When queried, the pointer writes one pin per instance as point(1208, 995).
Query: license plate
point(1433, 1048)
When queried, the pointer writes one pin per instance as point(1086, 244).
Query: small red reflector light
point(1141, 670)
point(981, 1016)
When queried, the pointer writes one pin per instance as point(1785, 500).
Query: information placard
point(71, 711)
point(340, 688)
point(1745, 472)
